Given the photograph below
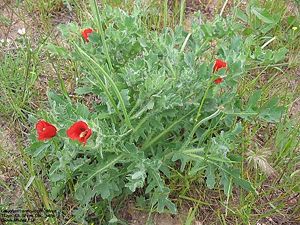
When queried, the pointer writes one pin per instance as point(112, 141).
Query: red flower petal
point(45, 130)
point(79, 131)
point(85, 33)
point(218, 80)
point(219, 64)
point(86, 136)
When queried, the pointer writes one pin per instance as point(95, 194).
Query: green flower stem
point(202, 101)
point(102, 36)
point(109, 79)
point(216, 113)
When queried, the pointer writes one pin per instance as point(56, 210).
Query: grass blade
point(85, 56)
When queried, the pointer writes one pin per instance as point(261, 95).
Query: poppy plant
point(45, 130)
point(85, 33)
point(219, 64)
point(79, 131)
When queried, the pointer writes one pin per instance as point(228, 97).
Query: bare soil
point(134, 216)
point(10, 193)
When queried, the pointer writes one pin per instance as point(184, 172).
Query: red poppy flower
point(85, 33)
point(219, 64)
point(79, 131)
point(45, 130)
point(218, 80)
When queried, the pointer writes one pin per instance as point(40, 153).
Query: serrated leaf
point(237, 129)
point(136, 179)
point(254, 98)
point(183, 158)
point(210, 176)
point(227, 184)
point(270, 111)
point(235, 174)
point(166, 203)
point(84, 194)
point(125, 96)
point(198, 166)
point(271, 115)
point(165, 170)
point(104, 190)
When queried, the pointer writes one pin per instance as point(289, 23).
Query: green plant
point(157, 110)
